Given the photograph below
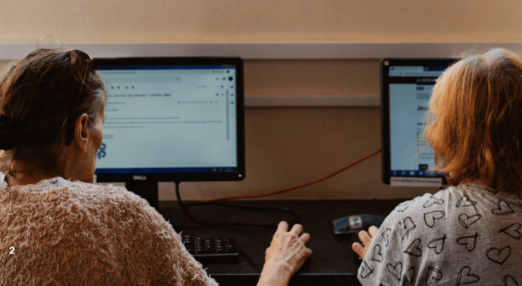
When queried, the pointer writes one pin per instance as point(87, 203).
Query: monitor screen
point(406, 87)
point(172, 119)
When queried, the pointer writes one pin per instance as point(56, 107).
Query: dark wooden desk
point(332, 262)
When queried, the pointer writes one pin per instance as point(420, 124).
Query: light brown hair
point(41, 96)
point(475, 121)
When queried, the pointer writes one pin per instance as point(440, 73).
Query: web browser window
point(410, 89)
point(169, 119)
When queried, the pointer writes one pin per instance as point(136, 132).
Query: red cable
point(295, 187)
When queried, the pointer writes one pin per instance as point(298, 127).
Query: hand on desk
point(286, 254)
point(366, 238)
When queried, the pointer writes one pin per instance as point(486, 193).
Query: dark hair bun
point(6, 136)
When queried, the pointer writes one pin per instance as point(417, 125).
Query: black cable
point(190, 217)
point(296, 218)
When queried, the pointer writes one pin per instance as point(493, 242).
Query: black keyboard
point(212, 249)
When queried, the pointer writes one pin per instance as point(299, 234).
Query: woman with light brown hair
point(469, 233)
point(56, 227)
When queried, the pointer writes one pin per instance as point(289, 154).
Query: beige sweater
point(59, 232)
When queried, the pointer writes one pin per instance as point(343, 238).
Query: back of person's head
point(475, 125)
point(41, 96)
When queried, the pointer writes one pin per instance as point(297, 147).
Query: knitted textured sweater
point(59, 232)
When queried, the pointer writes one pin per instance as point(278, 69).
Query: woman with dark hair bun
point(56, 227)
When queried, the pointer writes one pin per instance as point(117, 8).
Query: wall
point(285, 146)
point(261, 21)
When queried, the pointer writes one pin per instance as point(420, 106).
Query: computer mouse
point(356, 223)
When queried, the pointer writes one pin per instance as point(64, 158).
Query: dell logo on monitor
point(139, 178)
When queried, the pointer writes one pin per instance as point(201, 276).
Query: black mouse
point(356, 223)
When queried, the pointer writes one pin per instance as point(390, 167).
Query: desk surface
point(332, 262)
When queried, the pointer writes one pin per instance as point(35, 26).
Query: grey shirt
point(459, 236)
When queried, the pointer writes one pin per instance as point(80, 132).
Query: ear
point(81, 132)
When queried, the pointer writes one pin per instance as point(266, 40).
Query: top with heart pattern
point(468, 234)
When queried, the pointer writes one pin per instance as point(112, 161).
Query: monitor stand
point(149, 191)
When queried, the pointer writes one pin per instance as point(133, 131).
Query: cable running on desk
point(270, 209)
point(184, 208)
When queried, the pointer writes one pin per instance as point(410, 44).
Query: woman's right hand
point(286, 254)
point(366, 239)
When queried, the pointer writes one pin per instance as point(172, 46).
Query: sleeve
point(383, 263)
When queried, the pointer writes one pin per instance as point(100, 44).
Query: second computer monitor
point(172, 119)
point(406, 88)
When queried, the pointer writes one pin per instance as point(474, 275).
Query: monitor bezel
point(239, 174)
point(385, 106)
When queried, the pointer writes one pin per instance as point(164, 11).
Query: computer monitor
point(172, 119)
point(406, 87)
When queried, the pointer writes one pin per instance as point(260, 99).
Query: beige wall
point(261, 21)
point(285, 146)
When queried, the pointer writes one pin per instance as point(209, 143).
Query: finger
point(305, 237)
point(365, 238)
point(359, 249)
point(301, 257)
point(373, 231)
point(305, 253)
point(297, 229)
point(283, 226)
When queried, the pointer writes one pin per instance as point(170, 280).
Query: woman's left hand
point(366, 238)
